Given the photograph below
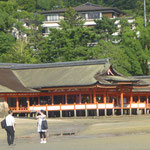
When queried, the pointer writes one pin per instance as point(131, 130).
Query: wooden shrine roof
point(30, 77)
point(79, 73)
point(10, 83)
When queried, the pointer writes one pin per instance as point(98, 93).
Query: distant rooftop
point(85, 7)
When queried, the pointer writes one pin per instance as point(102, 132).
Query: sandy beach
point(104, 133)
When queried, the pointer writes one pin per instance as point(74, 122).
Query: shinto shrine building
point(79, 88)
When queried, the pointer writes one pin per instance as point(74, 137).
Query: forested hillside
point(130, 56)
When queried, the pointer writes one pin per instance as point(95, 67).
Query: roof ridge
point(53, 65)
point(61, 64)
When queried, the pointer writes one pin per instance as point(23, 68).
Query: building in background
point(88, 11)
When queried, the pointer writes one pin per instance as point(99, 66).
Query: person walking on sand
point(41, 117)
point(10, 127)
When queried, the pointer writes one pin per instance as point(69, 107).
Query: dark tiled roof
point(11, 82)
point(77, 73)
point(25, 77)
point(90, 7)
point(86, 7)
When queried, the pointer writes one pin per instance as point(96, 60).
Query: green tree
point(6, 42)
point(122, 4)
point(71, 19)
point(7, 17)
point(27, 5)
point(36, 41)
point(19, 53)
point(144, 39)
point(117, 56)
point(140, 8)
point(105, 27)
point(62, 42)
point(49, 4)
point(136, 45)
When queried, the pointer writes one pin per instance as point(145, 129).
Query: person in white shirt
point(10, 127)
point(41, 116)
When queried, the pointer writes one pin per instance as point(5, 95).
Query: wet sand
point(104, 133)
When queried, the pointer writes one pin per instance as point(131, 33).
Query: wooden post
point(46, 111)
point(28, 115)
point(33, 115)
point(97, 110)
point(86, 111)
point(121, 96)
point(138, 110)
point(147, 101)
point(60, 111)
point(113, 110)
point(66, 99)
point(28, 103)
point(75, 113)
point(131, 101)
point(63, 100)
point(138, 99)
point(145, 111)
point(79, 98)
point(147, 104)
point(105, 111)
point(52, 99)
point(17, 103)
point(94, 96)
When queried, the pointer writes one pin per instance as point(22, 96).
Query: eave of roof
point(146, 89)
point(11, 82)
point(120, 79)
point(85, 7)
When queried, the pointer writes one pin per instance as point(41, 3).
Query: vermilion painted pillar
point(17, 103)
point(28, 103)
point(5, 98)
point(147, 101)
point(131, 101)
point(121, 97)
point(146, 105)
point(105, 110)
point(138, 99)
point(94, 96)
point(138, 110)
point(113, 110)
point(75, 113)
point(39, 100)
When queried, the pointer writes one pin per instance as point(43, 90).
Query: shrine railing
point(85, 106)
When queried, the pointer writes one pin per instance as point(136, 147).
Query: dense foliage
point(130, 55)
